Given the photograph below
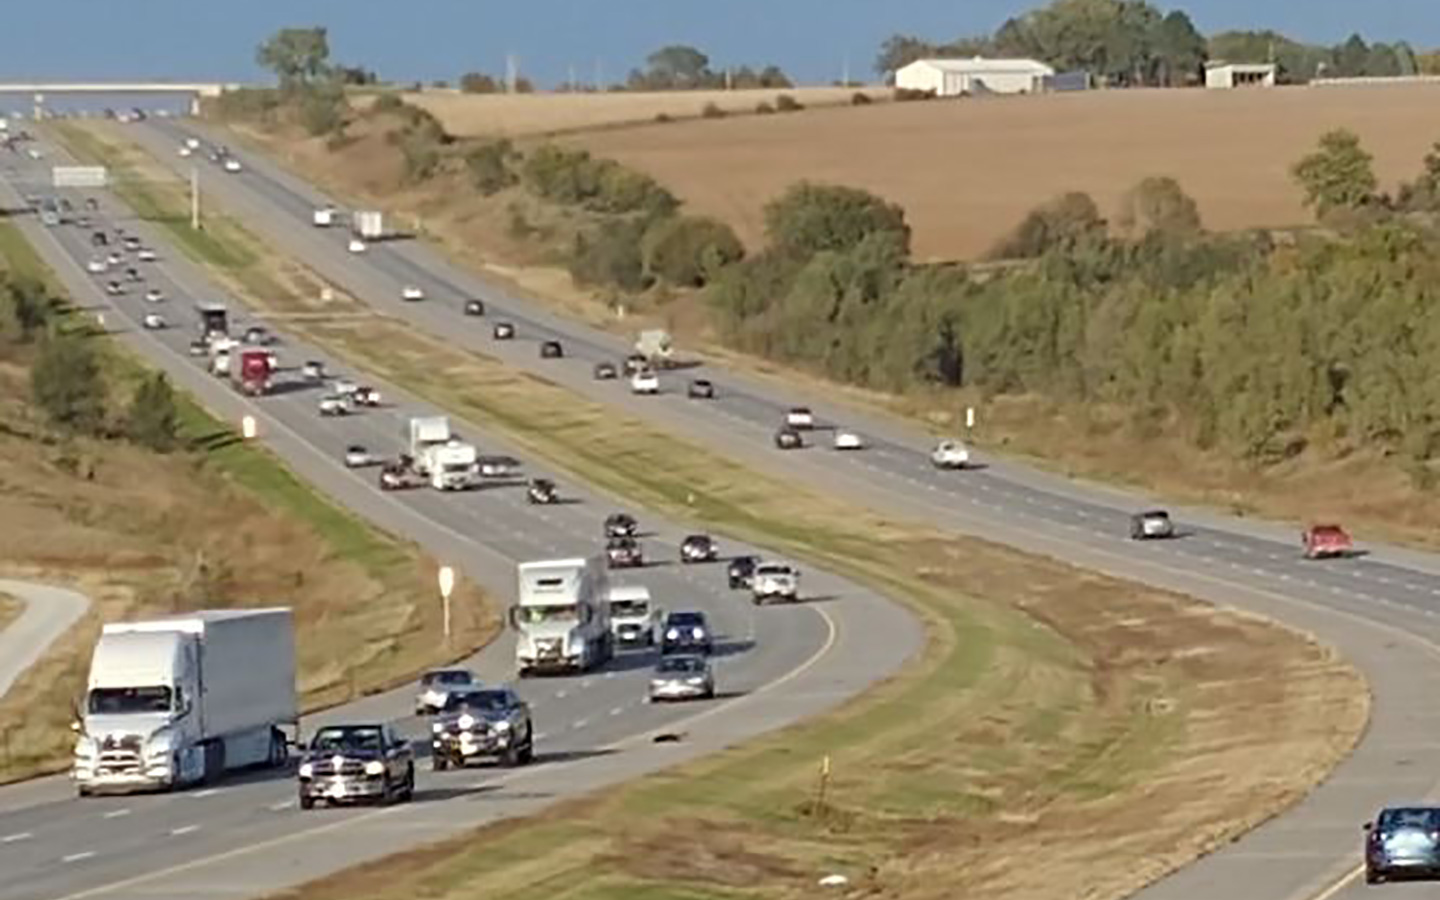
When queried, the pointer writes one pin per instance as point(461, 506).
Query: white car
point(357, 456)
point(366, 396)
point(153, 322)
point(645, 381)
point(192, 143)
point(848, 440)
point(437, 684)
point(410, 292)
point(97, 266)
point(186, 150)
point(232, 165)
point(950, 455)
point(145, 254)
point(323, 217)
point(154, 295)
point(313, 371)
point(343, 387)
point(115, 259)
point(357, 245)
point(775, 581)
point(800, 417)
point(114, 288)
point(334, 405)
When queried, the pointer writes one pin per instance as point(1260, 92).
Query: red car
point(1322, 541)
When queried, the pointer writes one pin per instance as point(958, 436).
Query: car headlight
point(695, 680)
point(436, 727)
point(673, 633)
point(502, 726)
point(697, 633)
point(466, 721)
point(374, 767)
point(306, 770)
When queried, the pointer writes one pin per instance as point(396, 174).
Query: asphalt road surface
point(1379, 607)
point(243, 837)
point(49, 612)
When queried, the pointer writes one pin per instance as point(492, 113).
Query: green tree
point(489, 164)
point(1179, 49)
point(1424, 192)
point(809, 218)
point(478, 83)
point(1338, 175)
point(26, 307)
point(689, 251)
point(1059, 224)
point(899, 51)
point(674, 67)
point(1159, 204)
point(297, 56)
point(66, 383)
point(609, 256)
point(1348, 60)
point(153, 420)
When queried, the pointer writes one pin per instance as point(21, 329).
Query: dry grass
point(1105, 719)
point(468, 115)
point(225, 525)
point(10, 609)
point(967, 171)
point(1371, 494)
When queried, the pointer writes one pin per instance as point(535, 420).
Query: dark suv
point(349, 763)
point(740, 571)
point(686, 632)
point(489, 723)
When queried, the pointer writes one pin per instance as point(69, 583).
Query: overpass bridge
point(39, 89)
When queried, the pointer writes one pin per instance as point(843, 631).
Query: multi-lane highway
point(775, 665)
point(1380, 609)
point(49, 611)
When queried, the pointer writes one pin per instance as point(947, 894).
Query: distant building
point(1233, 75)
point(954, 77)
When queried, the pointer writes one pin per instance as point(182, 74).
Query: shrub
point(152, 420)
point(388, 102)
point(478, 83)
point(609, 256)
point(860, 98)
point(422, 155)
point(688, 251)
point(1060, 223)
point(787, 103)
point(322, 111)
point(573, 177)
point(663, 118)
point(557, 174)
point(764, 108)
point(1159, 204)
point(907, 94)
point(813, 218)
point(248, 104)
point(711, 111)
point(489, 165)
point(65, 382)
point(620, 190)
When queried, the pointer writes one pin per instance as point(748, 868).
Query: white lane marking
point(617, 710)
point(117, 813)
point(581, 724)
point(560, 695)
point(183, 829)
point(281, 806)
point(15, 838)
point(608, 675)
point(76, 857)
point(585, 683)
point(208, 792)
point(542, 737)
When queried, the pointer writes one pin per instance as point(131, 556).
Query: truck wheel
point(387, 792)
point(307, 802)
point(527, 752)
point(82, 791)
point(439, 763)
point(407, 793)
point(279, 750)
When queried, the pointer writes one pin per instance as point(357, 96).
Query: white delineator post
point(969, 418)
point(248, 428)
point(447, 585)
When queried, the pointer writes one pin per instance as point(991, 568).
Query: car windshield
point(629, 607)
point(123, 701)
point(1156, 514)
point(742, 562)
point(534, 615)
point(446, 678)
point(686, 619)
point(680, 664)
point(1327, 531)
point(485, 701)
point(1424, 818)
point(773, 570)
point(697, 540)
point(340, 740)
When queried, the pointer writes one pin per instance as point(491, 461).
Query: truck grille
point(325, 768)
point(548, 648)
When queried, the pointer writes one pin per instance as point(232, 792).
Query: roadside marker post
point(447, 586)
point(248, 428)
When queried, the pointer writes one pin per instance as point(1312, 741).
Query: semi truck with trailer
point(178, 701)
point(562, 616)
point(214, 321)
point(443, 460)
point(368, 224)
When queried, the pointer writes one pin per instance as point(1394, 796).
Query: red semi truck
point(252, 375)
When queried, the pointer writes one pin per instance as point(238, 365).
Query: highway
point(774, 665)
point(49, 612)
point(1380, 608)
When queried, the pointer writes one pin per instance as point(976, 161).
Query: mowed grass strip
point(10, 609)
point(1052, 707)
point(220, 523)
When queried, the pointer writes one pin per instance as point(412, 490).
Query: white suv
point(645, 381)
point(775, 581)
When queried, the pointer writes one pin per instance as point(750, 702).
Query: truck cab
point(562, 617)
point(634, 617)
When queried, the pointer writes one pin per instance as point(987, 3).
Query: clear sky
point(439, 39)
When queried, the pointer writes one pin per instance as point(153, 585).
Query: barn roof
point(979, 65)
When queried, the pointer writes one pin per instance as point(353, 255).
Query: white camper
point(562, 619)
point(176, 701)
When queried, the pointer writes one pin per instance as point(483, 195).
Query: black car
point(636, 362)
point(624, 553)
point(551, 350)
point(503, 331)
point(133, 274)
point(698, 548)
point(540, 490)
point(686, 631)
point(788, 439)
point(621, 525)
point(740, 571)
point(1403, 843)
point(100, 239)
point(474, 308)
point(349, 763)
point(701, 389)
point(605, 371)
point(483, 723)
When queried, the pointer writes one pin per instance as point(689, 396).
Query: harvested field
point(967, 171)
point(467, 115)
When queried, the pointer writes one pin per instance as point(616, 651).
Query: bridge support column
point(194, 104)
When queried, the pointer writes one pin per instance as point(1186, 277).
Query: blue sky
point(435, 39)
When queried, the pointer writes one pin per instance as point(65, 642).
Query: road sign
point(79, 176)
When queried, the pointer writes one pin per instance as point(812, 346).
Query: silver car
point(436, 685)
point(685, 677)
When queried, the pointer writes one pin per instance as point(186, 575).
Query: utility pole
point(845, 72)
point(512, 72)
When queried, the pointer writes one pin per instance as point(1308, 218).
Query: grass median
point(10, 609)
point(1098, 718)
point(220, 522)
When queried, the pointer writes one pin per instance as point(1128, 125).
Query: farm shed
point(1233, 75)
point(953, 77)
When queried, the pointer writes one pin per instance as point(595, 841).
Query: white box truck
point(177, 701)
point(368, 224)
point(443, 460)
point(562, 619)
point(634, 617)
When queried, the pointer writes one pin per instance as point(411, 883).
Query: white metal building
point(953, 77)
point(1232, 75)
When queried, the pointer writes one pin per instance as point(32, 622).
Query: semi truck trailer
point(178, 701)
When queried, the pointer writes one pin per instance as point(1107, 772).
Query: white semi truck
point(444, 461)
point(368, 224)
point(178, 701)
point(562, 618)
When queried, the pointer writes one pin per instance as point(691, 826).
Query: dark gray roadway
point(1380, 608)
point(774, 665)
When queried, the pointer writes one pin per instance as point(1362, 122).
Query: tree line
point(1134, 43)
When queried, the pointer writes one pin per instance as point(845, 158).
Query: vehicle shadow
point(563, 756)
point(729, 695)
point(281, 388)
point(215, 440)
point(440, 794)
point(818, 598)
point(632, 659)
point(724, 648)
point(683, 365)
